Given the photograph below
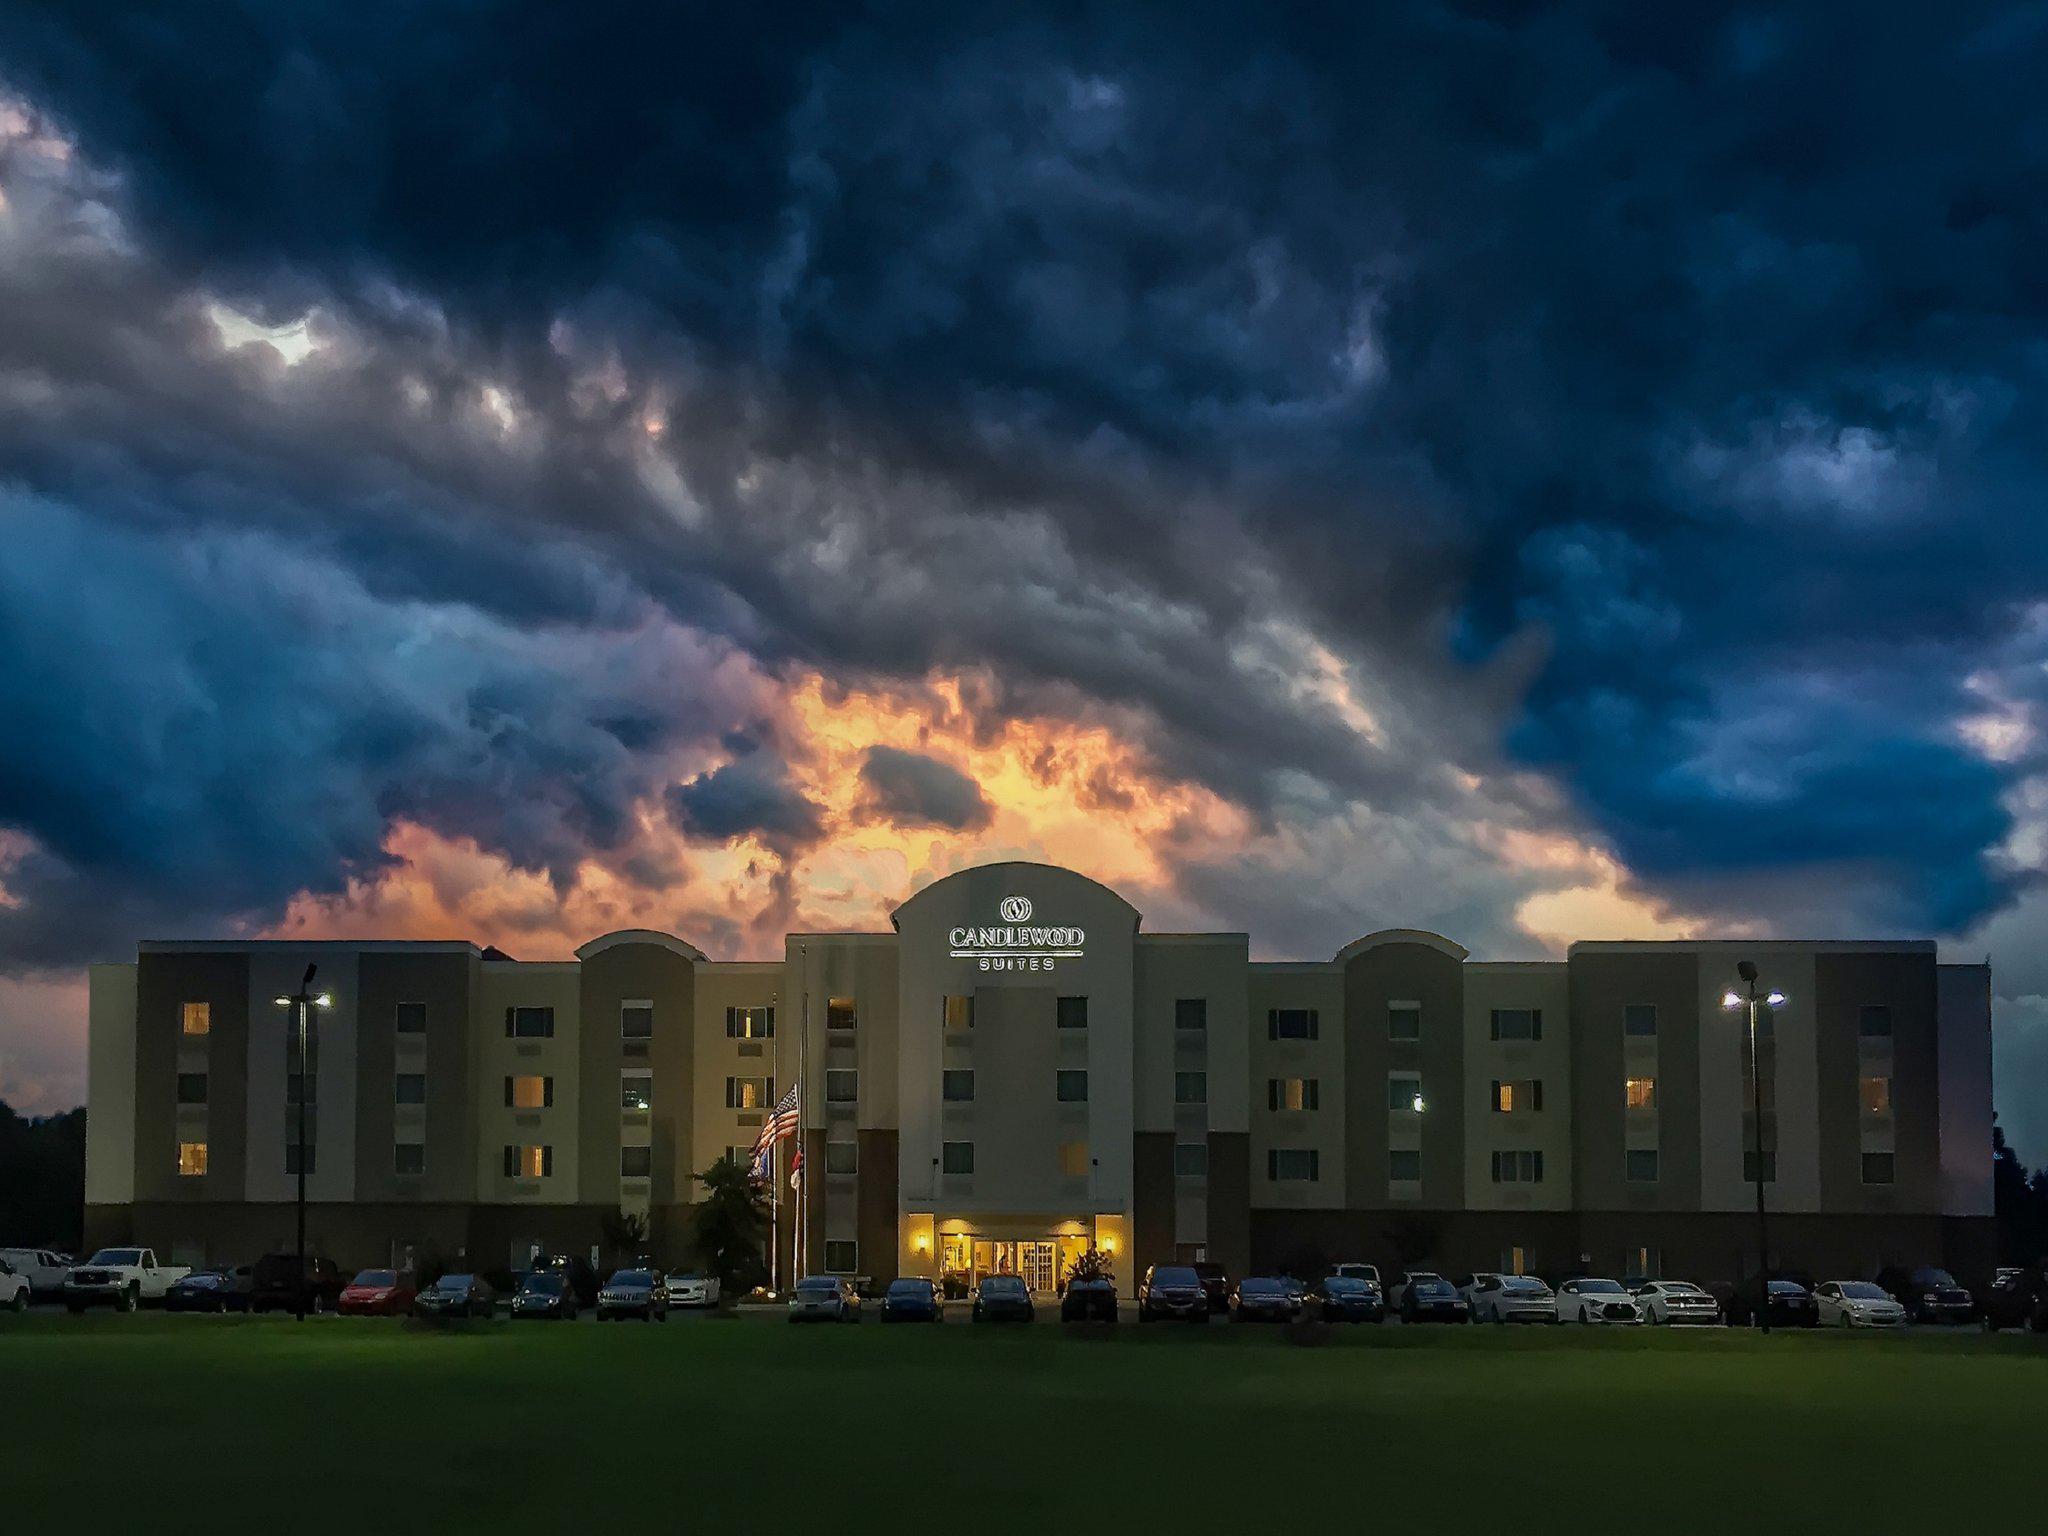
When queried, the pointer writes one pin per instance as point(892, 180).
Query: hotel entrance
point(966, 1258)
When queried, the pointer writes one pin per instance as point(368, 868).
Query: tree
point(729, 1227)
point(625, 1234)
point(1093, 1264)
point(42, 1179)
point(2019, 1204)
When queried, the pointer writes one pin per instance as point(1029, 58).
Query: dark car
point(1430, 1298)
point(1342, 1299)
point(1929, 1295)
point(1002, 1299)
point(1215, 1284)
point(454, 1296)
point(1089, 1301)
point(641, 1293)
point(1172, 1290)
point(576, 1269)
point(211, 1290)
point(546, 1295)
point(1265, 1299)
point(277, 1281)
point(379, 1293)
point(912, 1300)
point(1791, 1302)
point(2018, 1298)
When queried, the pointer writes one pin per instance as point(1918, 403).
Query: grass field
point(167, 1424)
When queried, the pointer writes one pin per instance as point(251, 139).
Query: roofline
point(654, 936)
point(1422, 936)
point(368, 946)
point(895, 912)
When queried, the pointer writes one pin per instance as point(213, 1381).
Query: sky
point(1527, 471)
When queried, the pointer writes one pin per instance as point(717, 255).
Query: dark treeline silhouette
point(2021, 1204)
point(42, 1179)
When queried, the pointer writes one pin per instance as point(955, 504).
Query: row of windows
point(956, 1158)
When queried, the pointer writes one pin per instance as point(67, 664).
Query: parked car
point(278, 1281)
point(1348, 1299)
point(823, 1299)
point(1089, 1301)
point(1676, 1301)
point(123, 1278)
point(455, 1296)
point(14, 1289)
point(2017, 1298)
point(1590, 1299)
point(1369, 1273)
point(211, 1290)
point(1427, 1297)
point(1002, 1299)
point(1511, 1299)
point(1791, 1304)
point(378, 1293)
point(546, 1295)
point(641, 1293)
point(912, 1299)
point(1929, 1295)
point(692, 1290)
point(1264, 1299)
point(1856, 1304)
point(43, 1268)
point(1215, 1285)
point(576, 1269)
point(1172, 1290)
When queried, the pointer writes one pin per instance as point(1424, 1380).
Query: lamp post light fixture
point(302, 1003)
point(1753, 999)
point(1418, 1104)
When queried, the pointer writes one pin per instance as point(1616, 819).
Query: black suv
point(275, 1282)
point(1172, 1290)
point(1929, 1295)
point(1216, 1284)
point(2017, 1299)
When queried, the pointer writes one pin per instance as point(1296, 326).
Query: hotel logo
point(1016, 909)
point(1016, 944)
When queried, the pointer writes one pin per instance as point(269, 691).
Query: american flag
point(781, 1124)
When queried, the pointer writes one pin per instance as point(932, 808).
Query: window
point(1518, 1167)
point(1639, 1019)
point(636, 1162)
point(1749, 1167)
point(191, 1159)
point(842, 1157)
point(1293, 1164)
point(956, 1157)
point(529, 1092)
point(1876, 1093)
point(1767, 1097)
point(636, 1021)
point(191, 1087)
point(956, 1085)
point(1878, 1167)
point(1404, 1021)
point(409, 1159)
point(1071, 1012)
point(301, 1088)
point(749, 1092)
point(750, 1023)
point(1191, 1013)
point(1875, 1023)
point(1404, 1167)
point(1403, 1089)
point(1291, 1024)
point(1518, 1023)
point(529, 1023)
point(1516, 1261)
point(842, 1085)
point(529, 1162)
point(1518, 1098)
point(1070, 1086)
point(636, 1090)
point(1074, 1159)
point(842, 1255)
point(1190, 1087)
point(1293, 1093)
point(840, 1013)
point(1191, 1159)
point(1640, 1166)
point(197, 1019)
point(291, 1159)
point(958, 1013)
point(409, 1018)
point(1640, 1092)
point(409, 1088)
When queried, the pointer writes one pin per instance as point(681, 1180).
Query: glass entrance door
point(1035, 1262)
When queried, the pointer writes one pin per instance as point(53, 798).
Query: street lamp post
point(302, 1003)
point(1753, 999)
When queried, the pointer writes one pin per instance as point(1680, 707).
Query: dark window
point(1749, 1167)
point(1292, 1163)
point(750, 1023)
point(1191, 1159)
point(636, 1090)
point(530, 1023)
point(410, 1088)
point(636, 1162)
point(841, 1014)
point(1191, 1013)
point(842, 1085)
point(842, 1255)
point(1875, 1023)
point(1518, 1167)
point(1639, 1019)
point(1518, 1023)
point(409, 1018)
point(956, 1157)
point(1190, 1087)
point(291, 1159)
point(409, 1159)
point(636, 1021)
point(191, 1087)
point(1404, 1022)
point(1404, 1167)
point(301, 1088)
point(842, 1156)
point(1291, 1024)
point(1070, 1087)
point(1640, 1166)
point(956, 1084)
point(1402, 1092)
point(1878, 1167)
point(1071, 1012)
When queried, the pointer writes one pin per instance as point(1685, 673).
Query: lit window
point(840, 1013)
point(636, 1090)
point(956, 1157)
point(1639, 1019)
point(1293, 1093)
point(198, 1018)
point(842, 1255)
point(191, 1087)
point(750, 1023)
point(1640, 1093)
point(1070, 1012)
point(636, 1162)
point(1517, 1023)
point(1291, 1024)
point(1191, 1013)
point(1074, 1158)
point(1403, 1089)
point(1191, 1159)
point(636, 1021)
point(1640, 1166)
point(956, 1085)
point(1190, 1087)
point(529, 1162)
point(409, 1159)
point(958, 1013)
point(1875, 1023)
point(409, 1018)
point(1293, 1164)
point(529, 1023)
point(842, 1156)
point(1878, 1167)
point(1404, 1021)
point(191, 1159)
point(1519, 1098)
point(1877, 1095)
point(748, 1092)
point(1404, 1167)
point(527, 1092)
point(842, 1085)
point(1515, 1261)
point(1070, 1087)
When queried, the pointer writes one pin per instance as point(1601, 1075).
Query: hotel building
point(1017, 1069)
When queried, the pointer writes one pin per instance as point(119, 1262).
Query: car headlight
point(1930, 1296)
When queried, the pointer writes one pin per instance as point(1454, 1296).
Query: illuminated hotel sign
point(1016, 944)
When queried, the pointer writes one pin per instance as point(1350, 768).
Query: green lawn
point(167, 1424)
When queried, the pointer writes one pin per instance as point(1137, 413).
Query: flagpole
point(774, 1188)
point(800, 1263)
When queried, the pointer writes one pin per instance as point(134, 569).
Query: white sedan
point(14, 1290)
point(1511, 1299)
point(1857, 1304)
point(1676, 1301)
point(692, 1290)
point(1596, 1301)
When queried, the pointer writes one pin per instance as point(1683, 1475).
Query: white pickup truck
point(122, 1278)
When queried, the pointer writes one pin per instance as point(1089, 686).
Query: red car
point(378, 1293)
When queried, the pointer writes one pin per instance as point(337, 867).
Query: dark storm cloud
point(750, 796)
point(913, 790)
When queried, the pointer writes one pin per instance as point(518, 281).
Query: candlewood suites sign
point(1016, 944)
